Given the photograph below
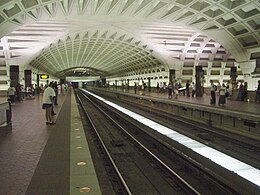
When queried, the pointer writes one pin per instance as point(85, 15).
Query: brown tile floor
point(21, 149)
point(52, 174)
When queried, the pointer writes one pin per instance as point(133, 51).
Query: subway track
point(238, 146)
point(130, 155)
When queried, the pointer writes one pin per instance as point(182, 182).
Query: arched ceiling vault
point(117, 36)
point(111, 53)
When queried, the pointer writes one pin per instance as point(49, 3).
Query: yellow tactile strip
point(83, 177)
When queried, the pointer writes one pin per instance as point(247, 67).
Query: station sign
point(44, 76)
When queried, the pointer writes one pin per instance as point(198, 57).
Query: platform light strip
point(242, 169)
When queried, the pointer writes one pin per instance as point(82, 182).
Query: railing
point(5, 116)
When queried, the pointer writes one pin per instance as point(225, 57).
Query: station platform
point(40, 159)
point(241, 106)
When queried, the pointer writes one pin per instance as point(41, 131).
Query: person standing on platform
point(222, 96)
point(33, 90)
point(135, 88)
point(193, 86)
point(170, 90)
point(161, 87)
point(229, 88)
point(11, 94)
point(240, 91)
point(55, 87)
point(22, 92)
point(28, 91)
point(176, 89)
point(188, 88)
point(164, 87)
point(54, 98)
point(218, 87)
point(212, 92)
point(59, 89)
point(47, 104)
point(18, 92)
point(244, 93)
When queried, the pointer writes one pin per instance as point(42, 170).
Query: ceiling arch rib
point(65, 54)
point(80, 71)
point(183, 43)
point(239, 19)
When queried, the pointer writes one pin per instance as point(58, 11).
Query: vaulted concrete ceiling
point(112, 37)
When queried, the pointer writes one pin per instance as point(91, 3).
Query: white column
point(247, 68)
point(80, 84)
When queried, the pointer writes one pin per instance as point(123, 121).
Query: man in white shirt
point(11, 93)
point(47, 103)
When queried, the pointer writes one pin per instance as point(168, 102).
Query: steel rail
point(151, 153)
point(104, 147)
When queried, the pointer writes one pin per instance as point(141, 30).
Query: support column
point(199, 77)
point(27, 78)
point(80, 84)
point(171, 75)
point(128, 84)
point(14, 75)
point(149, 84)
point(103, 80)
point(247, 68)
point(62, 81)
point(38, 80)
point(233, 77)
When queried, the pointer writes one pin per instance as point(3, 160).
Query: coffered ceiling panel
point(115, 36)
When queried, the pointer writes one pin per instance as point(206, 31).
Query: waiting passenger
point(188, 88)
point(22, 92)
point(161, 87)
point(170, 90)
point(229, 88)
point(176, 89)
point(193, 86)
point(244, 92)
point(47, 104)
point(157, 87)
point(28, 91)
point(240, 91)
point(213, 89)
point(11, 94)
point(222, 95)
point(218, 87)
point(18, 92)
point(33, 90)
point(55, 87)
